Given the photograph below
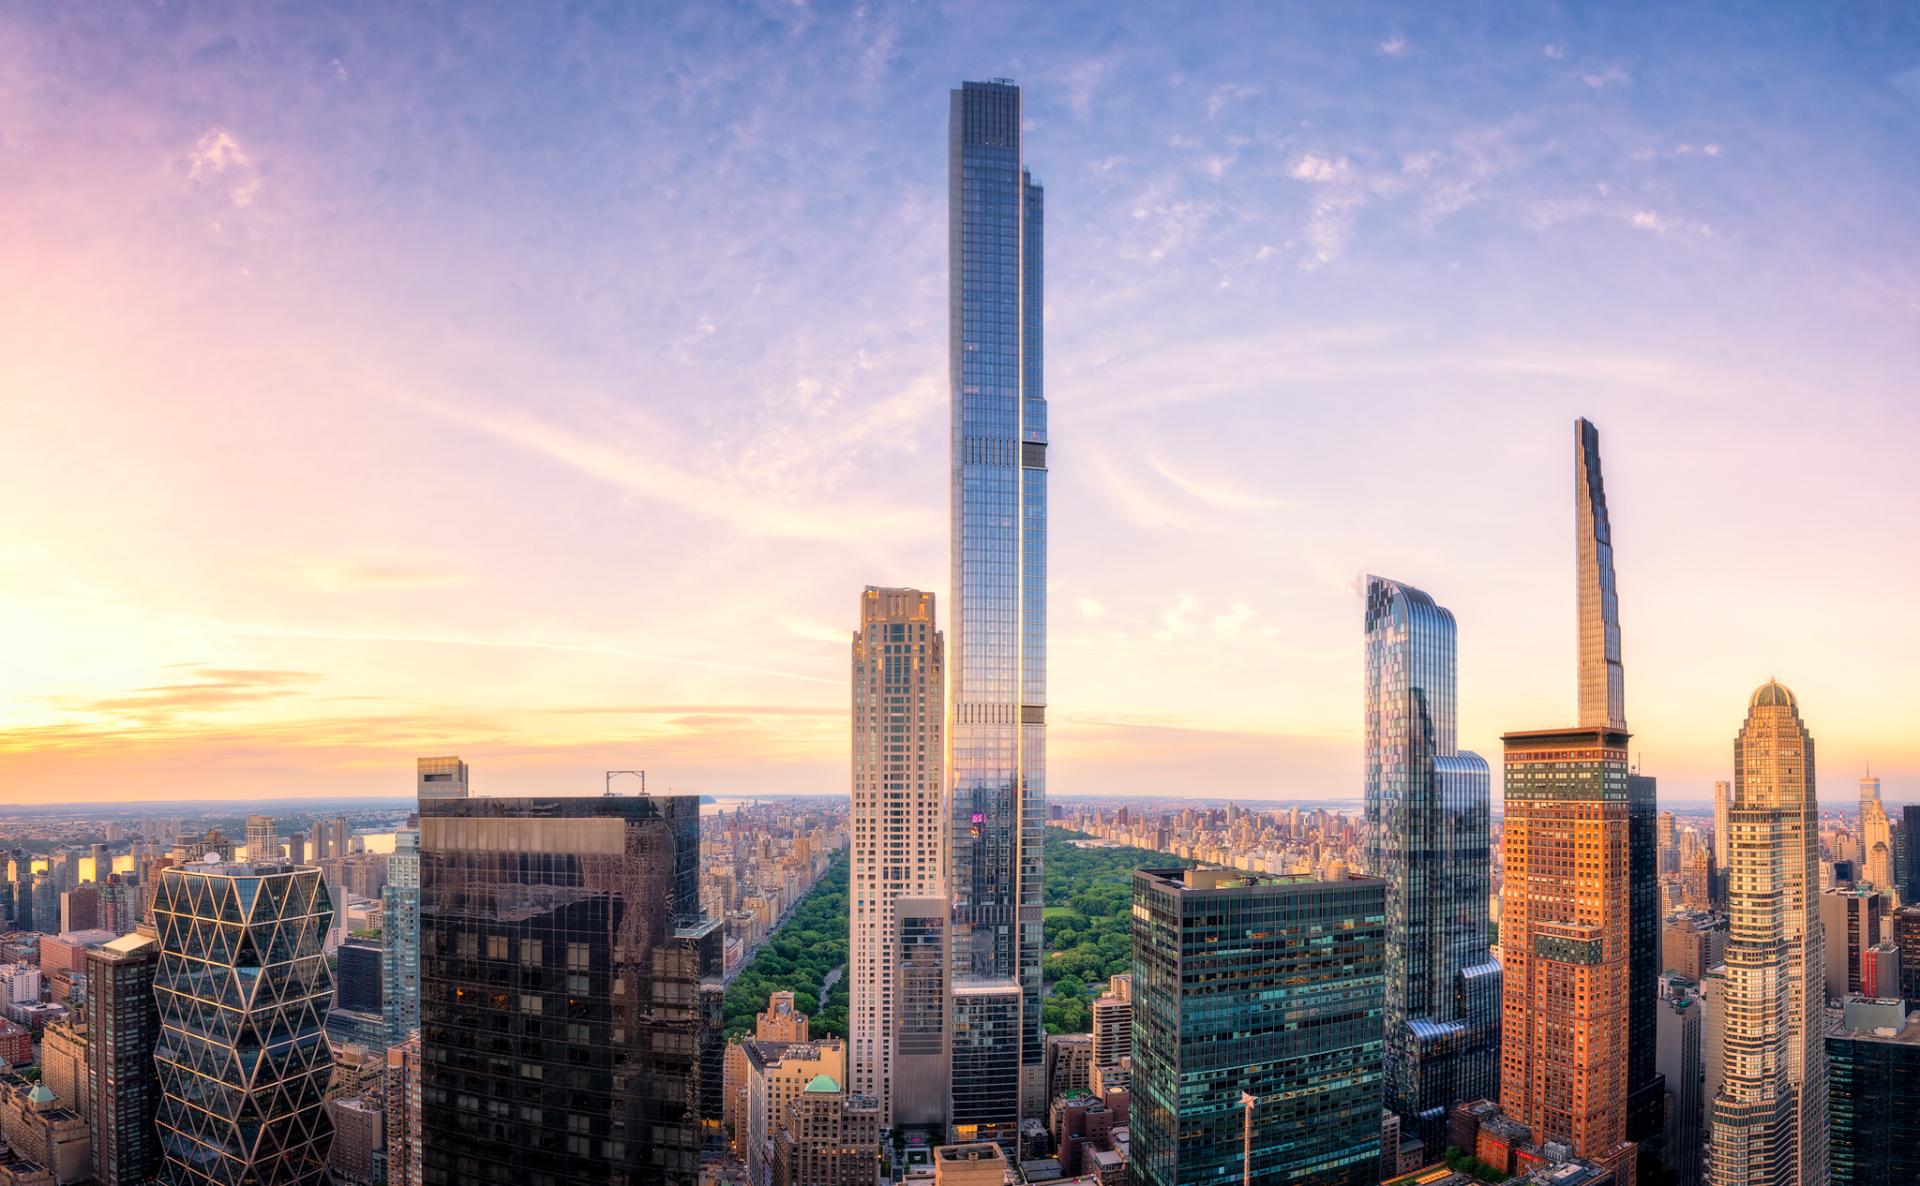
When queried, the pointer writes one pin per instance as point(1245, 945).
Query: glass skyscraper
point(562, 959)
point(242, 991)
point(1427, 827)
point(1258, 1015)
point(997, 663)
point(400, 920)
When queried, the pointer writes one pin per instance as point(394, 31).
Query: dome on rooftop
point(1772, 694)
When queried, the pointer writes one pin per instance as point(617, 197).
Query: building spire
point(1602, 683)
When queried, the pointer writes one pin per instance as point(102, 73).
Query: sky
point(543, 383)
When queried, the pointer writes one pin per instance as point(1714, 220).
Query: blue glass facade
point(1427, 838)
point(1258, 1013)
point(997, 669)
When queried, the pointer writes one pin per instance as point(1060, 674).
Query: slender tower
point(1566, 916)
point(1876, 837)
point(998, 615)
point(1770, 1113)
point(898, 1029)
point(1427, 820)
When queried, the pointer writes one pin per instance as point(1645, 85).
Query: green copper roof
point(824, 1083)
point(41, 1094)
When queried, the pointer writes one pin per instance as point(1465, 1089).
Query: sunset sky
point(543, 388)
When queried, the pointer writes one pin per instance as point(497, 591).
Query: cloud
point(1321, 170)
point(1610, 76)
point(767, 496)
point(348, 576)
point(1136, 504)
point(1213, 494)
point(1234, 622)
point(1554, 50)
point(1082, 82)
point(216, 689)
point(1228, 94)
point(218, 154)
point(1091, 609)
point(1179, 620)
point(814, 631)
point(1395, 46)
point(575, 645)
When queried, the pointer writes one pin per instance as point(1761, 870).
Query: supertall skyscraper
point(562, 955)
point(1770, 1114)
point(1565, 906)
point(897, 1019)
point(998, 605)
point(1427, 823)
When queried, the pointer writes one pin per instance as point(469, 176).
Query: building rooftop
point(1202, 879)
point(824, 1084)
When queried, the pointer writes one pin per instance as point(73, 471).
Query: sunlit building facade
point(1566, 918)
point(898, 824)
point(1427, 837)
point(242, 991)
point(998, 605)
point(1769, 1116)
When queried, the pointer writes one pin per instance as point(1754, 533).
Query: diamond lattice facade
point(242, 1058)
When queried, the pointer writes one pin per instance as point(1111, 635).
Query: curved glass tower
point(1427, 824)
point(998, 623)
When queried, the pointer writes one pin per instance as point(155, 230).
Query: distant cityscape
point(943, 976)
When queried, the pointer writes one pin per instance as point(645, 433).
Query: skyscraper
point(1646, 1093)
point(1677, 1057)
point(1427, 828)
point(242, 991)
point(998, 605)
point(403, 1112)
point(1876, 838)
point(1875, 1111)
point(440, 778)
point(562, 951)
point(1769, 1116)
point(1722, 799)
point(263, 839)
point(123, 1026)
point(1565, 909)
point(400, 922)
point(1257, 1028)
point(1910, 854)
point(898, 793)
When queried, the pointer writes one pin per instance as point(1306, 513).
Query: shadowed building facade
point(998, 605)
point(1566, 905)
point(1258, 1009)
point(1427, 837)
point(562, 953)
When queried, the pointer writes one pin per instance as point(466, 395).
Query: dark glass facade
point(357, 973)
point(1646, 1089)
point(1873, 1105)
point(562, 959)
point(986, 1061)
point(242, 991)
point(123, 1026)
point(1427, 838)
point(997, 663)
point(1258, 1022)
point(1910, 852)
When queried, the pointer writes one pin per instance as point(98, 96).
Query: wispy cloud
point(1215, 494)
point(1395, 46)
point(350, 575)
point(217, 155)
